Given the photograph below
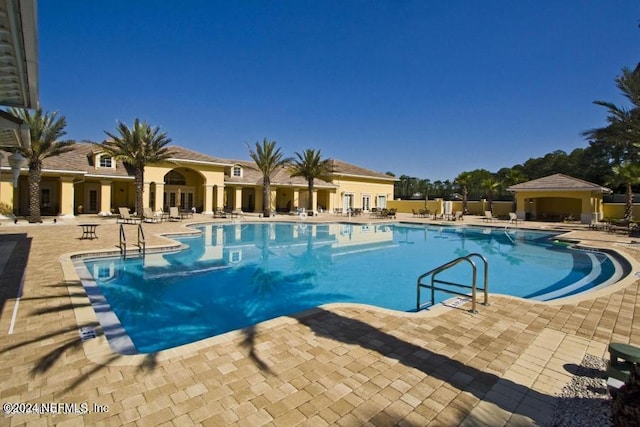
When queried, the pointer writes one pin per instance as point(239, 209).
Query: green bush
point(6, 209)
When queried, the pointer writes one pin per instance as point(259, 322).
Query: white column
point(105, 198)
point(67, 195)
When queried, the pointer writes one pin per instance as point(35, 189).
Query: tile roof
point(80, 160)
point(558, 182)
point(344, 168)
point(251, 175)
point(184, 154)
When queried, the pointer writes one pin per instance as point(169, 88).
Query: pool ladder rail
point(474, 288)
point(142, 245)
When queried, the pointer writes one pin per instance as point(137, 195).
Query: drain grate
point(87, 333)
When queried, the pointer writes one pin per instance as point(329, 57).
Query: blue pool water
point(236, 275)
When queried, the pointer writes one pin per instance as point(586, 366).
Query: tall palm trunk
point(465, 194)
point(310, 201)
point(35, 174)
point(628, 206)
point(266, 198)
point(139, 183)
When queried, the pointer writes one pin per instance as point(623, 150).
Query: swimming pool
point(236, 275)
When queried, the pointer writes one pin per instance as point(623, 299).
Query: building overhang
point(18, 66)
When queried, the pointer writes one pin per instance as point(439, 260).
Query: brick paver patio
point(339, 364)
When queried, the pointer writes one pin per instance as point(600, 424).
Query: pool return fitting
point(474, 288)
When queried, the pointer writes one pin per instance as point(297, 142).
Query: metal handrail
point(123, 242)
point(447, 266)
point(142, 245)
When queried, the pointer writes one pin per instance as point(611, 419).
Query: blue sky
point(425, 88)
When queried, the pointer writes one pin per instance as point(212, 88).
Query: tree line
point(611, 158)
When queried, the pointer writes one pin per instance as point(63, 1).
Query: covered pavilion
point(559, 197)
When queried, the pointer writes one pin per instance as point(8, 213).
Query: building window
point(174, 178)
point(105, 162)
point(237, 171)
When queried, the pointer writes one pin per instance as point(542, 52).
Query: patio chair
point(458, 216)
point(149, 216)
point(488, 217)
point(598, 225)
point(219, 213)
point(174, 214)
point(126, 217)
point(513, 218)
point(622, 226)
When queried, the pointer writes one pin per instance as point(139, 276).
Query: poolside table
point(88, 231)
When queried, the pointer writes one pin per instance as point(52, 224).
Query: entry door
point(93, 201)
point(366, 203)
point(346, 202)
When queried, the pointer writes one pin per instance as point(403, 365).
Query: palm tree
point(268, 159)
point(310, 166)
point(462, 181)
point(137, 147)
point(45, 129)
point(627, 174)
point(491, 185)
point(623, 129)
point(513, 177)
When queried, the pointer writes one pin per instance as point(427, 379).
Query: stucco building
point(86, 180)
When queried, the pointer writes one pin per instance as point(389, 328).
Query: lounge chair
point(126, 217)
point(513, 218)
point(219, 213)
point(458, 216)
point(424, 213)
point(622, 226)
point(174, 214)
point(149, 216)
point(488, 217)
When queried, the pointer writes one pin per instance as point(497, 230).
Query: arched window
point(174, 178)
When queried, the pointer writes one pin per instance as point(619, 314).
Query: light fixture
point(16, 161)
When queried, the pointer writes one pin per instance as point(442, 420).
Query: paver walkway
point(340, 364)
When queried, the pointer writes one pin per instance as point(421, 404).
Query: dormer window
point(103, 160)
point(236, 171)
point(106, 161)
